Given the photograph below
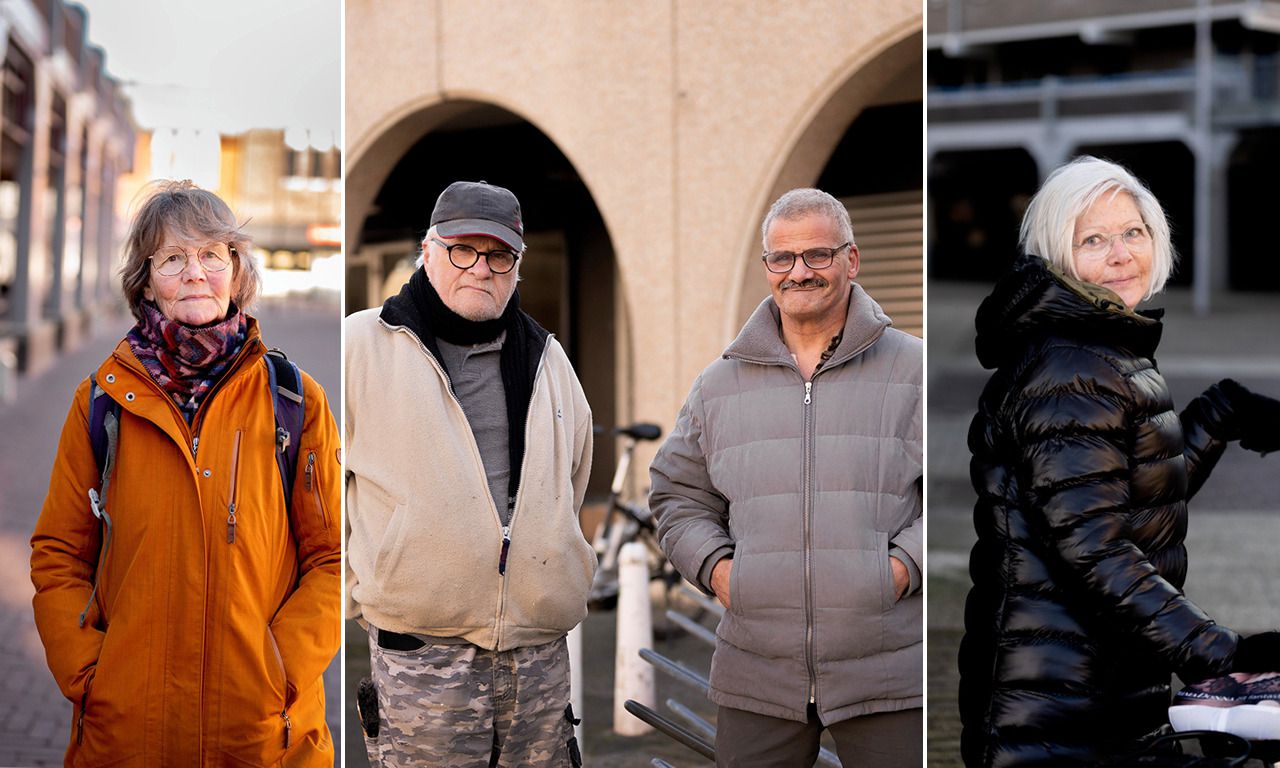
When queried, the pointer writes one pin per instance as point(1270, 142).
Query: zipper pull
point(288, 727)
point(195, 445)
point(231, 523)
point(808, 391)
point(506, 545)
point(311, 469)
point(80, 720)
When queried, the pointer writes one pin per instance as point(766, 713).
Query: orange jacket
point(196, 650)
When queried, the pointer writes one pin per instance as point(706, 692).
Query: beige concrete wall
point(684, 119)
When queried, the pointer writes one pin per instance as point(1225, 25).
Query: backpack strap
point(104, 434)
point(285, 381)
point(100, 404)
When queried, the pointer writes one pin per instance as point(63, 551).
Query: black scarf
point(517, 367)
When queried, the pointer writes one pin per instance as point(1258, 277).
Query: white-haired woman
point(187, 601)
point(1076, 619)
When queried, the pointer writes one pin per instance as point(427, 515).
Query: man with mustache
point(468, 449)
point(791, 489)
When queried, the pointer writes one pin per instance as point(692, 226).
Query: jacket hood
point(760, 339)
point(1036, 300)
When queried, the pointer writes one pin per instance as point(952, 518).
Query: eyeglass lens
point(172, 261)
point(814, 258)
point(464, 256)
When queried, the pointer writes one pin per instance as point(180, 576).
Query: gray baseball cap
point(478, 208)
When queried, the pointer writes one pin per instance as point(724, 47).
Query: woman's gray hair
point(183, 210)
point(803, 202)
point(1048, 228)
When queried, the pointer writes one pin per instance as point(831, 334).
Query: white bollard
point(575, 680)
point(632, 675)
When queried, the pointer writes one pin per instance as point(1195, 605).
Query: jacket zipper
point(231, 495)
point(808, 541)
point(84, 702)
point(284, 711)
point(313, 486)
point(506, 529)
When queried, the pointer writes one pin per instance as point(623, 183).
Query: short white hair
point(1048, 228)
point(805, 201)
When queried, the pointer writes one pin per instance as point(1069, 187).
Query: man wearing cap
point(468, 448)
point(790, 488)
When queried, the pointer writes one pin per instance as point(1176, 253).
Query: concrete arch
point(850, 86)
point(372, 157)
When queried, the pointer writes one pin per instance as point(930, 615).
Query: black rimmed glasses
point(171, 260)
point(463, 256)
point(814, 258)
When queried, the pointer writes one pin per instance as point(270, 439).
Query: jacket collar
point(1036, 300)
point(760, 340)
point(401, 311)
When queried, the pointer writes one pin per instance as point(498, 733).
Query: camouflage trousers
point(461, 706)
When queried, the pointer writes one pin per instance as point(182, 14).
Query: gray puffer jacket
point(810, 488)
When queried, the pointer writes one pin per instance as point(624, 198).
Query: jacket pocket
point(234, 487)
point(284, 688)
point(735, 573)
point(887, 595)
point(311, 484)
point(109, 713)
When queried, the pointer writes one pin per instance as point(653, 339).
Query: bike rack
point(695, 729)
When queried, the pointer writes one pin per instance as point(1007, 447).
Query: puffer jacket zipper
point(313, 487)
point(808, 540)
point(231, 494)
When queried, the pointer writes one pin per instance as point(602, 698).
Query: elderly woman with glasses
point(186, 561)
point(1076, 619)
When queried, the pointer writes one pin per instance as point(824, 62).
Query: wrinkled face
point(195, 296)
point(805, 294)
point(1112, 247)
point(476, 293)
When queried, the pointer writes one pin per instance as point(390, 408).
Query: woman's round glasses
point(1097, 246)
point(462, 256)
point(171, 261)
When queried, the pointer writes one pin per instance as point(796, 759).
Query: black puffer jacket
point(1076, 619)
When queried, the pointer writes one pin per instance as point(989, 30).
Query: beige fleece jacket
point(423, 538)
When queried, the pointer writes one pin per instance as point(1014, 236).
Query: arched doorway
point(863, 146)
point(567, 276)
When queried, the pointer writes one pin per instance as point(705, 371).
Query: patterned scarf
point(186, 362)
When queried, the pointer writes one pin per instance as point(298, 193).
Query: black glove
point(1257, 417)
point(1258, 653)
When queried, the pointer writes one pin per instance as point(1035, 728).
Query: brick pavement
point(34, 718)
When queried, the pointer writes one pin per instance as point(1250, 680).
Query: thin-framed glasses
point(463, 256)
point(814, 258)
point(171, 260)
point(1098, 245)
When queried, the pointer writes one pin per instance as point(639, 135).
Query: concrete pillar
point(1201, 285)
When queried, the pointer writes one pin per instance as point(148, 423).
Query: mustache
point(813, 282)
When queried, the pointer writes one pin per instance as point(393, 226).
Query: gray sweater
point(810, 489)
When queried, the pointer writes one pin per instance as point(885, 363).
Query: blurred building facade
point(1186, 93)
point(645, 141)
point(287, 190)
point(67, 138)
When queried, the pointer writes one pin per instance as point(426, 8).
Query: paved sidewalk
point(35, 721)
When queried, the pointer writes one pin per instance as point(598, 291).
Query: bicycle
point(626, 521)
